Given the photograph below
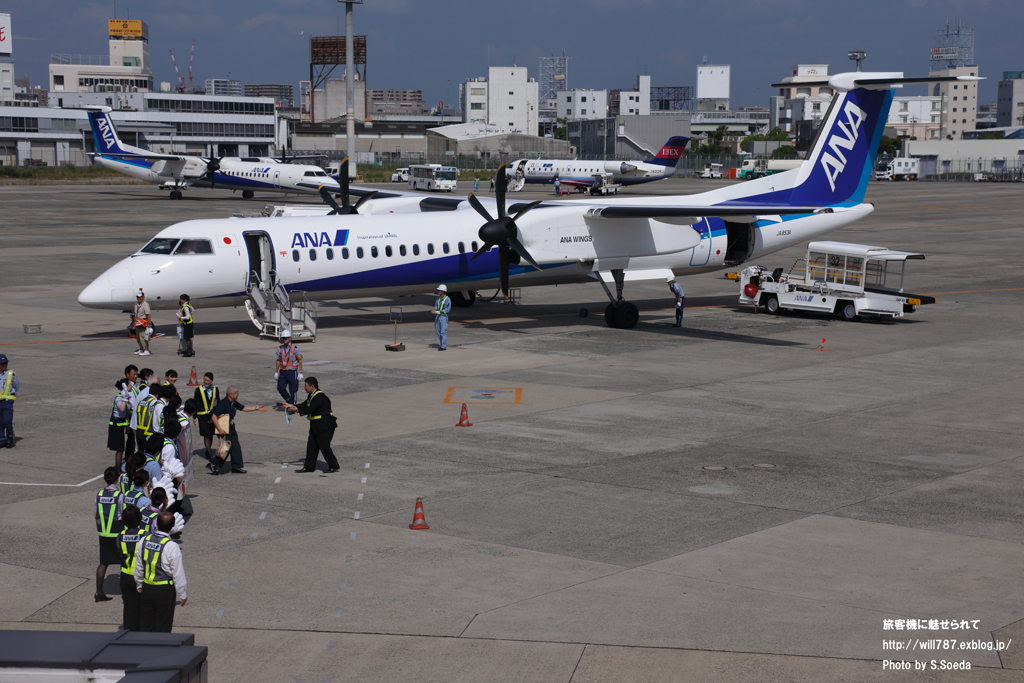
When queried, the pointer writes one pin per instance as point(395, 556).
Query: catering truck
point(752, 169)
point(899, 168)
point(848, 280)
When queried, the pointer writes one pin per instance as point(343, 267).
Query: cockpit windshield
point(194, 247)
point(160, 245)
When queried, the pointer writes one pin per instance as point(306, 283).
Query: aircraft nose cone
point(114, 289)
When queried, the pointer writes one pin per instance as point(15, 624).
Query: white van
point(401, 175)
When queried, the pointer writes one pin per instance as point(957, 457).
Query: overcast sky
point(432, 45)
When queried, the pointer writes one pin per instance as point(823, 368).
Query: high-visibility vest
point(128, 539)
point(309, 402)
point(173, 444)
point(124, 483)
point(145, 420)
point(148, 516)
point(288, 360)
point(440, 304)
point(152, 549)
point(208, 405)
point(6, 395)
point(118, 421)
point(130, 497)
point(106, 507)
point(186, 314)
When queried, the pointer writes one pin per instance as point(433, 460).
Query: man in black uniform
point(127, 540)
point(322, 423)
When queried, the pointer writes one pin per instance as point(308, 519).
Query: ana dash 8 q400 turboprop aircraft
point(176, 172)
point(540, 243)
point(582, 174)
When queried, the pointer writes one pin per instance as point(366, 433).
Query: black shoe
point(304, 470)
point(442, 349)
point(99, 597)
point(214, 472)
point(10, 444)
point(238, 471)
point(209, 466)
point(332, 470)
point(176, 536)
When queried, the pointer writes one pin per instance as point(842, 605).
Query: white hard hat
point(442, 288)
point(670, 278)
point(286, 334)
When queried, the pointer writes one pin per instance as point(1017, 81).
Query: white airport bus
point(433, 177)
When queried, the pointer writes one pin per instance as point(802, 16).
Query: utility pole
point(350, 96)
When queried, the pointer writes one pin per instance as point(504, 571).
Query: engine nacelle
point(620, 167)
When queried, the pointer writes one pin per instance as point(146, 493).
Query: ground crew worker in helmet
point(441, 308)
point(8, 394)
point(322, 423)
point(288, 367)
point(674, 287)
point(158, 575)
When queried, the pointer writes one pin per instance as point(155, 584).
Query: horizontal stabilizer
point(873, 81)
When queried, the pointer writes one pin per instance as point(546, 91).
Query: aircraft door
point(277, 179)
point(702, 252)
point(261, 259)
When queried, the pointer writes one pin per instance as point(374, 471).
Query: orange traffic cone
point(464, 418)
point(419, 520)
point(193, 381)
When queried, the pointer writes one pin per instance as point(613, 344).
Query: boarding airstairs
point(273, 309)
point(516, 182)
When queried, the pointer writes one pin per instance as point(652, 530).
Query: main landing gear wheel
point(247, 194)
point(460, 300)
point(623, 316)
point(175, 194)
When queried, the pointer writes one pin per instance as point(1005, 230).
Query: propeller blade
point(362, 200)
point(526, 208)
point(481, 250)
point(329, 200)
point(503, 259)
point(343, 181)
point(500, 182)
point(521, 250)
point(475, 203)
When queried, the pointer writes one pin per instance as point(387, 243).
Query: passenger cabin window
point(160, 246)
point(373, 252)
point(430, 249)
point(444, 248)
point(474, 246)
point(330, 254)
point(462, 248)
point(312, 254)
point(344, 252)
point(194, 247)
point(295, 255)
point(387, 250)
point(359, 252)
point(415, 250)
point(401, 249)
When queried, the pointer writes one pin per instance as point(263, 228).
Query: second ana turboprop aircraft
point(472, 243)
point(176, 172)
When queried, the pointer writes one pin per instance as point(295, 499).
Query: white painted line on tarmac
point(359, 497)
point(263, 515)
point(245, 558)
point(352, 536)
point(23, 483)
point(357, 514)
point(284, 465)
point(278, 480)
point(220, 613)
point(364, 480)
point(270, 496)
point(255, 534)
point(344, 583)
point(234, 582)
point(331, 645)
point(337, 613)
point(366, 466)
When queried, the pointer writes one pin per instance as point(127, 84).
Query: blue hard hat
point(3, 359)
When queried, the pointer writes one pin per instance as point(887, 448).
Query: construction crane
point(181, 80)
point(190, 58)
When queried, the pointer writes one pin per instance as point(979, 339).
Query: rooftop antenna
point(857, 56)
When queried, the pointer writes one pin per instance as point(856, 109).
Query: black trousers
point(129, 442)
point(140, 440)
point(156, 608)
point(320, 443)
point(131, 599)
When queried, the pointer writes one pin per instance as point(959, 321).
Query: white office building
point(223, 86)
point(1010, 101)
point(958, 102)
point(507, 99)
point(125, 69)
point(635, 102)
point(798, 100)
point(582, 104)
point(916, 117)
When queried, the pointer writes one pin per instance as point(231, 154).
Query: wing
point(154, 156)
point(721, 211)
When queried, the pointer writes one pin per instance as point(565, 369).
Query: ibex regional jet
point(477, 243)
